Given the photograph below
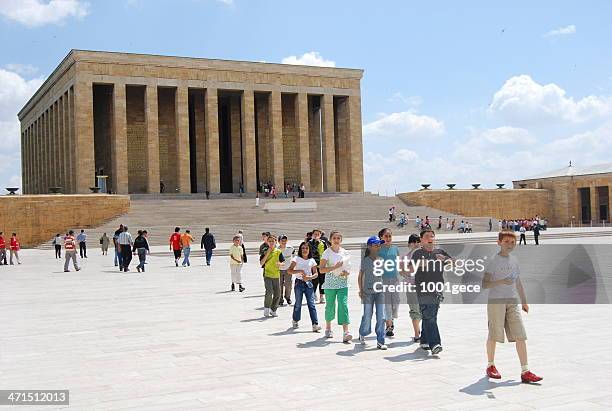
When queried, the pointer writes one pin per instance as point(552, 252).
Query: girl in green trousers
point(335, 263)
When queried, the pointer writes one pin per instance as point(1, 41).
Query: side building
point(191, 125)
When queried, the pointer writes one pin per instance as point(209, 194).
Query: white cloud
point(506, 135)
point(561, 31)
point(404, 124)
point(311, 58)
point(23, 69)
point(523, 101)
point(406, 155)
point(33, 13)
point(227, 2)
point(408, 100)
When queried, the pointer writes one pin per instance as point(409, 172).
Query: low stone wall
point(500, 204)
point(37, 218)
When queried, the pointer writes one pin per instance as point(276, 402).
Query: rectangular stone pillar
point(314, 140)
point(594, 204)
point(356, 183)
point(249, 164)
point(119, 149)
point(200, 135)
point(262, 132)
point(47, 152)
point(36, 157)
point(70, 145)
point(301, 126)
point(40, 148)
point(60, 142)
point(83, 136)
point(276, 140)
point(342, 143)
point(211, 121)
point(56, 146)
point(183, 177)
point(328, 143)
point(236, 143)
point(152, 130)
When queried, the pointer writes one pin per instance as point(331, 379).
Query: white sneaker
point(329, 334)
point(273, 314)
point(295, 324)
point(361, 340)
point(347, 337)
point(316, 328)
point(266, 312)
point(437, 349)
point(381, 346)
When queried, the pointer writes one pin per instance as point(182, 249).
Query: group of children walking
point(323, 263)
point(14, 247)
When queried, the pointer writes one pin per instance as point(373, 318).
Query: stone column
point(40, 147)
point(182, 140)
point(342, 143)
point(262, 139)
point(211, 121)
point(119, 144)
point(152, 129)
point(51, 153)
point(56, 146)
point(314, 140)
point(249, 165)
point(594, 204)
point(276, 140)
point(84, 164)
point(356, 145)
point(46, 153)
point(301, 127)
point(61, 143)
point(200, 135)
point(328, 143)
point(70, 148)
point(236, 143)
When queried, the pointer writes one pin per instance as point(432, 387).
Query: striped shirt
point(125, 238)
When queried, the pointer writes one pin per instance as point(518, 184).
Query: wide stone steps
point(354, 214)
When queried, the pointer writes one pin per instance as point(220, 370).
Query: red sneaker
point(493, 373)
point(528, 377)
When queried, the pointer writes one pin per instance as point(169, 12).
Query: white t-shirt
point(304, 265)
point(333, 280)
point(503, 267)
point(287, 253)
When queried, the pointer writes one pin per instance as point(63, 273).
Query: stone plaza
point(178, 339)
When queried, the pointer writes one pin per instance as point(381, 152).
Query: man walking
point(82, 240)
point(125, 243)
point(208, 244)
point(57, 245)
point(186, 240)
point(536, 233)
point(70, 251)
point(116, 245)
point(175, 244)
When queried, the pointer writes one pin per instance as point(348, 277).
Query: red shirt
point(69, 243)
point(175, 241)
point(2, 242)
point(14, 244)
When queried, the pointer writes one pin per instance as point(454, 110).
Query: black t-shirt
point(429, 274)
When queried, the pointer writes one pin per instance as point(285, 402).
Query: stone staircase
point(354, 214)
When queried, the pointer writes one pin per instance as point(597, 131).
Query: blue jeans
point(429, 331)
point(300, 289)
point(186, 252)
point(208, 255)
point(118, 259)
point(369, 302)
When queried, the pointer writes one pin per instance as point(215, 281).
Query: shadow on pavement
point(484, 386)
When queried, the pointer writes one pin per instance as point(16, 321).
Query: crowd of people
point(269, 190)
point(13, 247)
point(318, 271)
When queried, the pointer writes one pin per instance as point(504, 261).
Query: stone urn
point(425, 186)
point(95, 190)
point(475, 186)
point(55, 190)
point(500, 186)
point(12, 190)
point(451, 186)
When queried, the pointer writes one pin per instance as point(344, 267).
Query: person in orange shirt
point(175, 245)
point(2, 250)
point(15, 247)
point(186, 240)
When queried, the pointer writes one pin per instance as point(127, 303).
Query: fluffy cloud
point(523, 101)
point(312, 58)
point(504, 135)
point(405, 124)
point(33, 13)
point(406, 100)
point(561, 31)
point(14, 92)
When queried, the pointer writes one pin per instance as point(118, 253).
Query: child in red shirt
point(14, 244)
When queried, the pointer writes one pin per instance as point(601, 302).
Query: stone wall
point(136, 139)
point(37, 218)
point(500, 204)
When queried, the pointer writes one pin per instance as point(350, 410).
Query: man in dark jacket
point(208, 244)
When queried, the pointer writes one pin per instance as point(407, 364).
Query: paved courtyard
point(177, 338)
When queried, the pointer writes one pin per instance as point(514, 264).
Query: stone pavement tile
point(576, 405)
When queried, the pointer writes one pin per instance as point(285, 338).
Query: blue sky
point(452, 93)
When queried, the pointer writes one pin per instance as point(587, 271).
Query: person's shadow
point(484, 386)
point(319, 342)
point(417, 355)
